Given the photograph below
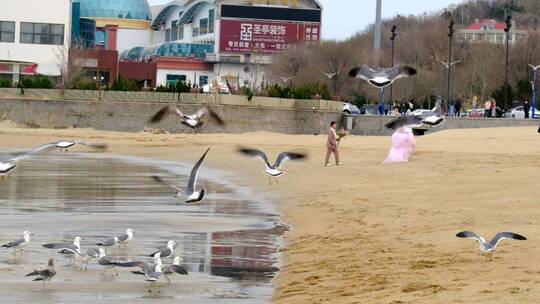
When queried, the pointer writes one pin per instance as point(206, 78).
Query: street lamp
point(451, 38)
point(507, 30)
point(99, 81)
point(393, 39)
point(534, 78)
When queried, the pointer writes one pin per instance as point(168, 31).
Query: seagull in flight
point(193, 121)
point(8, 164)
point(64, 145)
point(432, 119)
point(19, 244)
point(329, 75)
point(44, 274)
point(191, 194)
point(446, 65)
point(380, 77)
point(489, 248)
point(272, 170)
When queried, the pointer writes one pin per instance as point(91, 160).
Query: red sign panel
point(246, 36)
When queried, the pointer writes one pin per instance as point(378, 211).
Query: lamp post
point(393, 39)
point(534, 79)
point(451, 39)
point(377, 48)
point(99, 80)
point(507, 30)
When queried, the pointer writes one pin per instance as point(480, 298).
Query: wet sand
point(372, 233)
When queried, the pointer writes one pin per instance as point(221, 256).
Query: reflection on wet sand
point(229, 243)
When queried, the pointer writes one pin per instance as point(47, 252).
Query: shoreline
point(372, 233)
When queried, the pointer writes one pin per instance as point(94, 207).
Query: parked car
point(349, 108)
point(370, 110)
point(518, 113)
point(223, 88)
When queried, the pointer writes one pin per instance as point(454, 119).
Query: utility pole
point(506, 85)
point(533, 83)
point(393, 38)
point(377, 48)
point(451, 39)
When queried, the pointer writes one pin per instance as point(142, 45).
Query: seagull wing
point(438, 108)
point(256, 154)
point(164, 112)
point(505, 235)
point(28, 154)
point(124, 237)
point(402, 121)
point(212, 114)
point(401, 71)
point(470, 235)
point(107, 242)
point(94, 146)
point(175, 269)
point(14, 243)
point(285, 156)
point(63, 247)
point(363, 72)
point(93, 252)
point(161, 181)
point(192, 183)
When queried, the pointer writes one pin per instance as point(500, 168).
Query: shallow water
point(229, 242)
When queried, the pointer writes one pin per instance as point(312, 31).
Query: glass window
point(195, 31)
point(181, 32)
point(203, 26)
point(167, 35)
point(7, 31)
point(42, 33)
point(174, 31)
point(174, 79)
point(203, 80)
point(211, 17)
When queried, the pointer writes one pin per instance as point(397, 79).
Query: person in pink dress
point(403, 144)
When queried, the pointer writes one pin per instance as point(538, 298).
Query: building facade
point(491, 31)
point(33, 40)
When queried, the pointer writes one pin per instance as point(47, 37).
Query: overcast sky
point(343, 18)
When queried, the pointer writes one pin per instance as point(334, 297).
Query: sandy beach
point(372, 233)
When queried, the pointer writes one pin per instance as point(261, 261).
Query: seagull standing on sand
point(123, 239)
point(380, 77)
point(489, 248)
point(66, 248)
point(91, 255)
point(108, 261)
point(147, 269)
point(44, 274)
point(166, 251)
point(272, 170)
point(192, 195)
point(175, 267)
point(432, 119)
point(108, 242)
point(19, 244)
point(193, 121)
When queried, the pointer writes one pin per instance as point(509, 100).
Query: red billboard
point(246, 36)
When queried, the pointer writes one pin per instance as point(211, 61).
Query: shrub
point(122, 84)
point(4, 83)
point(84, 83)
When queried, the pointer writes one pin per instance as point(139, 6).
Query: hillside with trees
point(422, 42)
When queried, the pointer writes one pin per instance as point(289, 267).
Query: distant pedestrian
point(458, 107)
point(493, 108)
point(487, 109)
point(332, 145)
point(526, 109)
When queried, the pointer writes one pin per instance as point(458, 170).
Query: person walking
point(332, 145)
point(493, 108)
point(526, 109)
point(458, 107)
point(487, 109)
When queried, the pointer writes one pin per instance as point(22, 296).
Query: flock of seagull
point(155, 269)
point(152, 271)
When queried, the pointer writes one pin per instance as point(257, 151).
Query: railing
point(182, 98)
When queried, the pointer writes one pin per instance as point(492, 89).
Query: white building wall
point(130, 38)
point(37, 11)
point(191, 76)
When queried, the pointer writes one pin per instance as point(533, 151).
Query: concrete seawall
point(133, 116)
point(374, 125)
